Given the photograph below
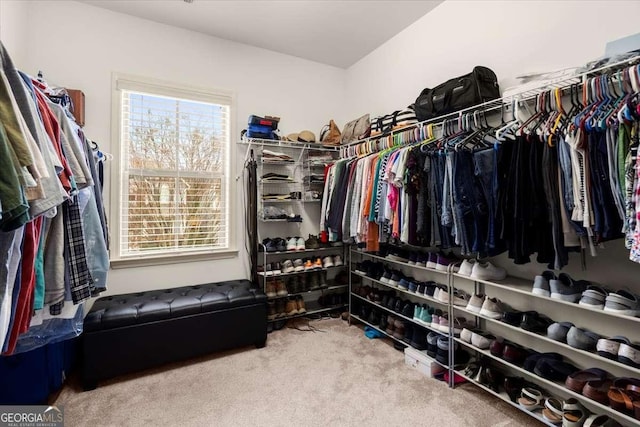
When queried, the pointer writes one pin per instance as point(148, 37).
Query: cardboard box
point(421, 362)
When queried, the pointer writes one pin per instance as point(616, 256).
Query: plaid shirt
point(80, 280)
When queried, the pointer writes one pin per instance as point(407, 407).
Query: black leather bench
point(128, 333)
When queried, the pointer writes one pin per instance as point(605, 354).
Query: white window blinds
point(174, 159)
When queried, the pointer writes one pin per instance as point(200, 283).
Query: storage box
point(420, 361)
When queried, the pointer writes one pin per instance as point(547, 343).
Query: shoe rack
point(317, 287)
point(515, 294)
point(303, 211)
point(425, 273)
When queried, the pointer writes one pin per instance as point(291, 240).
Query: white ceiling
point(332, 32)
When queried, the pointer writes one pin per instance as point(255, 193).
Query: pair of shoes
point(295, 306)
point(277, 309)
point(481, 271)
point(310, 264)
point(270, 269)
point(312, 242)
point(622, 302)
point(276, 244)
point(476, 338)
point(329, 261)
point(276, 288)
point(566, 289)
point(485, 306)
point(295, 244)
point(621, 349)
point(533, 321)
point(418, 259)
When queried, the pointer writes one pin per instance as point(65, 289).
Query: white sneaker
point(292, 243)
point(337, 261)
point(327, 262)
point(467, 267)
point(287, 266)
point(298, 265)
point(300, 244)
point(443, 296)
point(487, 271)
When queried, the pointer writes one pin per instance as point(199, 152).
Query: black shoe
point(281, 244)
point(391, 304)
point(532, 321)
point(430, 289)
point(383, 322)
point(385, 299)
point(407, 309)
point(408, 333)
point(386, 276)
point(395, 278)
point(512, 317)
point(419, 339)
point(421, 288)
point(432, 343)
point(374, 317)
point(399, 304)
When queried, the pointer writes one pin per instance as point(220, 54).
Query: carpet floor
point(333, 376)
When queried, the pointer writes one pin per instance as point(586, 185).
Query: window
point(173, 180)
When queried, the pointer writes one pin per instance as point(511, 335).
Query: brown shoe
point(300, 304)
point(280, 308)
point(270, 289)
point(344, 315)
point(272, 311)
point(281, 289)
point(292, 307)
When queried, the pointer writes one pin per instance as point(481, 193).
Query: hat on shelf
point(306, 136)
point(303, 136)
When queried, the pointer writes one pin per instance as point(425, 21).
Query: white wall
point(93, 43)
point(13, 31)
point(510, 37)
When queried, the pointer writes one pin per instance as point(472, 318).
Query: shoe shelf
point(400, 315)
point(332, 248)
point(321, 288)
point(311, 270)
point(404, 291)
point(377, 328)
point(278, 163)
point(595, 356)
point(406, 264)
point(592, 405)
point(284, 182)
point(523, 286)
point(310, 311)
point(505, 397)
point(269, 201)
point(278, 220)
point(288, 144)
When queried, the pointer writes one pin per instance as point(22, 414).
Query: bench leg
point(261, 344)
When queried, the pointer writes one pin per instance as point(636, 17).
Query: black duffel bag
point(478, 86)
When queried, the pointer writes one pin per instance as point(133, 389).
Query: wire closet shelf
point(411, 133)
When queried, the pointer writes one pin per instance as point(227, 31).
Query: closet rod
point(562, 83)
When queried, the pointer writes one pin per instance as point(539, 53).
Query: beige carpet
point(337, 377)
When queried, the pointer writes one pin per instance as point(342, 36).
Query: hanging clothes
point(53, 232)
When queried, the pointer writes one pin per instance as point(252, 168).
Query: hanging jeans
point(485, 172)
point(607, 220)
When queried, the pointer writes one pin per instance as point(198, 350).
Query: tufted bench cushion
point(130, 309)
point(132, 332)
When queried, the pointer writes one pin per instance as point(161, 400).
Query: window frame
point(129, 82)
